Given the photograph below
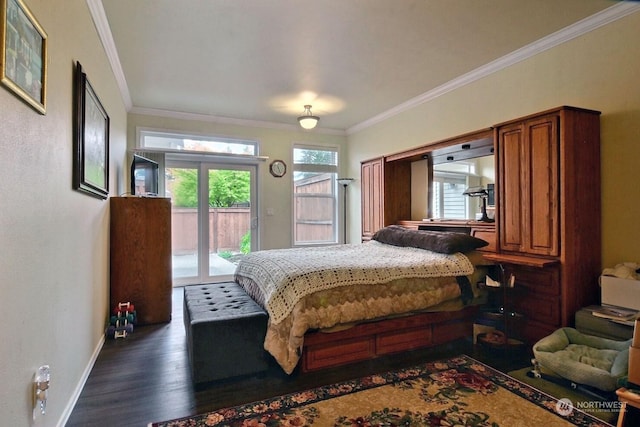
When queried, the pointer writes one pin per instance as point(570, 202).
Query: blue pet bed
point(584, 359)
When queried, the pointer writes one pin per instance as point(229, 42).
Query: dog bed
point(584, 359)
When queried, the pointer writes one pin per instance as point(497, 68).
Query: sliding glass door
point(213, 218)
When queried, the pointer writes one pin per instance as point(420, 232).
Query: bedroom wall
point(598, 70)
point(54, 263)
point(275, 193)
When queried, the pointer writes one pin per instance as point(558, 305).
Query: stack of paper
point(616, 313)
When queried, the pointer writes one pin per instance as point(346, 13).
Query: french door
point(213, 221)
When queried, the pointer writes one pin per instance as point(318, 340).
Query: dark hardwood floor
point(145, 377)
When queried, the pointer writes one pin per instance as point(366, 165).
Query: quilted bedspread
point(285, 276)
point(333, 287)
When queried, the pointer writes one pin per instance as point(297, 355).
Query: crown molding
point(584, 26)
point(104, 33)
point(230, 121)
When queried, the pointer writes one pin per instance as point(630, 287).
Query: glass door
point(213, 219)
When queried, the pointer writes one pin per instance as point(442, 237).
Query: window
point(448, 200)
point(164, 141)
point(212, 185)
point(450, 180)
point(315, 207)
point(212, 207)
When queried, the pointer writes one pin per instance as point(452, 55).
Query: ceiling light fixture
point(308, 120)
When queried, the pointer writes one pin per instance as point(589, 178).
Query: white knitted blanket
point(285, 276)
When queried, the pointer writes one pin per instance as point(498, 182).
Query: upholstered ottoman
point(225, 332)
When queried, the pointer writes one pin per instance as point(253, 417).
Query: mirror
point(452, 179)
point(446, 173)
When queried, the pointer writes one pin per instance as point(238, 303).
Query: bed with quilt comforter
point(332, 288)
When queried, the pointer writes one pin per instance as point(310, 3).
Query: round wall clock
point(278, 168)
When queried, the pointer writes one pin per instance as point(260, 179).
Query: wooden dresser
point(141, 256)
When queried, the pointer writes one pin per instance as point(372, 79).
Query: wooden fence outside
point(314, 208)
point(226, 228)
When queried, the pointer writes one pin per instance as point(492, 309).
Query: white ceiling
point(356, 61)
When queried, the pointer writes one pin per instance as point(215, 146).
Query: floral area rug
point(455, 392)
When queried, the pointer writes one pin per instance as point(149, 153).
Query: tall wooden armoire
point(141, 256)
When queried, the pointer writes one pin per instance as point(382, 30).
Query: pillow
point(444, 242)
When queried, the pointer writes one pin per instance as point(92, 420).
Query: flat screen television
point(144, 177)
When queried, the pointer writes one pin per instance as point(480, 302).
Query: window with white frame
point(315, 203)
point(171, 142)
point(450, 180)
point(448, 200)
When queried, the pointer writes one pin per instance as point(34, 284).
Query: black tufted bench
point(225, 332)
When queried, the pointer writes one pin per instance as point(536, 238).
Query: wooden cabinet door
point(372, 197)
point(529, 186)
point(512, 185)
point(544, 195)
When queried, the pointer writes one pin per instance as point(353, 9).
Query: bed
point(338, 304)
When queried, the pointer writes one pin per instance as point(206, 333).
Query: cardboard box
point(634, 366)
point(620, 292)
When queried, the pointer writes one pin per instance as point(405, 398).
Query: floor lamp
point(345, 183)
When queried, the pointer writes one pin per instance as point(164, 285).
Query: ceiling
point(355, 61)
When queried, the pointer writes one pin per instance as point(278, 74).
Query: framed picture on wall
point(23, 61)
point(91, 139)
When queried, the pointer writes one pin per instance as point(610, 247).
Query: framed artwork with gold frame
point(23, 61)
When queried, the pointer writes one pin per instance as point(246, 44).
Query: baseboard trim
point(64, 418)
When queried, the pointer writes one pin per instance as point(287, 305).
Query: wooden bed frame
point(373, 339)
